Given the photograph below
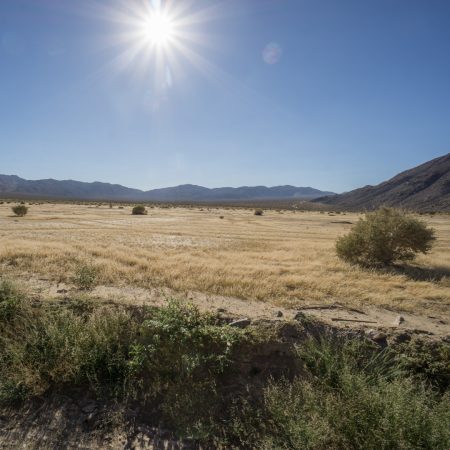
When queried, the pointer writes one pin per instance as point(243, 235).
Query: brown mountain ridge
point(423, 188)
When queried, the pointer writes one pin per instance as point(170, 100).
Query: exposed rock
point(399, 320)
point(241, 323)
point(89, 408)
point(376, 335)
point(279, 314)
point(300, 316)
point(418, 331)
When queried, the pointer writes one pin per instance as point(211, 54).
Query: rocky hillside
point(423, 188)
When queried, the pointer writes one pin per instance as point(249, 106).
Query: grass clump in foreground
point(181, 367)
point(85, 277)
point(347, 401)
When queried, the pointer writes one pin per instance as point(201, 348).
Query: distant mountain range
point(423, 188)
point(14, 186)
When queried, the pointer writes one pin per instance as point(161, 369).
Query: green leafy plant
point(352, 396)
point(10, 300)
point(185, 370)
point(85, 277)
point(384, 237)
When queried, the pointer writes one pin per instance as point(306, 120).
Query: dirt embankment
point(73, 418)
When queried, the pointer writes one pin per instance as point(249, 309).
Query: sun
point(155, 40)
point(160, 29)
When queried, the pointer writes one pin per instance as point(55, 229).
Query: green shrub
point(172, 356)
point(85, 277)
point(185, 370)
point(180, 357)
point(20, 210)
point(349, 397)
point(50, 348)
point(428, 361)
point(384, 237)
point(10, 301)
point(381, 415)
point(139, 210)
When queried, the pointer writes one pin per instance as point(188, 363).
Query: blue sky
point(333, 94)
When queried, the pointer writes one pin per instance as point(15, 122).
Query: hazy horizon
point(279, 92)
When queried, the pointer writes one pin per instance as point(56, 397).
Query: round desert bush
point(383, 237)
point(259, 212)
point(19, 210)
point(139, 210)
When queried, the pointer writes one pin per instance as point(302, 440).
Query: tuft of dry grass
point(286, 259)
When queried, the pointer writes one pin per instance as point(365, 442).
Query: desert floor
point(225, 257)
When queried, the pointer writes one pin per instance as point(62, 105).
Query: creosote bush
point(258, 212)
point(20, 210)
point(139, 210)
point(384, 237)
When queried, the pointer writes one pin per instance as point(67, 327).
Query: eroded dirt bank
point(68, 417)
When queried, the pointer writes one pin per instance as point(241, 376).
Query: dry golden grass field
point(284, 258)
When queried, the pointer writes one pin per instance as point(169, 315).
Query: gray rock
point(376, 335)
point(418, 331)
point(241, 323)
point(399, 320)
point(279, 314)
point(401, 338)
point(89, 407)
point(300, 316)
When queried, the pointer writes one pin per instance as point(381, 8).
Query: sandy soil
point(338, 315)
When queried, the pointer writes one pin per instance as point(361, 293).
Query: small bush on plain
point(20, 210)
point(259, 212)
point(85, 277)
point(384, 237)
point(139, 210)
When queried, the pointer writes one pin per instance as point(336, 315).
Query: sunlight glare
point(159, 29)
